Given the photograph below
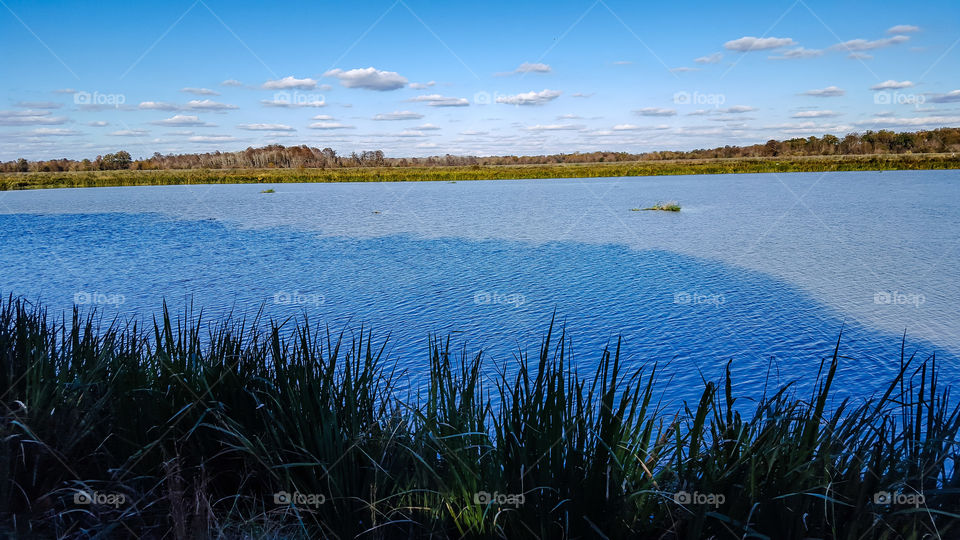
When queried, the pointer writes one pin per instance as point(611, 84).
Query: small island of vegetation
point(669, 206)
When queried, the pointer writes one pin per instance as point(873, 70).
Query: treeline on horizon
point(293, 157)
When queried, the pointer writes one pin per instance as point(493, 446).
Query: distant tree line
point(287, 157)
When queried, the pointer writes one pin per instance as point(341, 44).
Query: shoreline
point(130, 177)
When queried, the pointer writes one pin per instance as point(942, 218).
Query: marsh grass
point(669, 206)
point(198, 424)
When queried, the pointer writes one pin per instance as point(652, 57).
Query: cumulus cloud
point(323, 117)
point(709, 59)
point(368, 78)
point(866, 45)
point(749, 43)
point(815, 114)
point(950, 97)
point(29, 117)
point(159, 106)
point(655, 111)
point(329, 125)
point(437, 100)
point(200, 91)
point(183, 120)
point(208, 105)
point(290, 83)
point(798, 53)
point(530, 98)
point(903, 29)
point(422, 86)
point(294, 102)
point(891, 85)
point(130, 133)
point(399, 115)
point(98, 123)
point(428, 127)
point(212, 138)
point(830, 91)
point(265, 127)
point(38, 105)
point(536, 67)
point(555, 127)
point(626, 127)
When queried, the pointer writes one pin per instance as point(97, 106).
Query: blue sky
point(417, 78)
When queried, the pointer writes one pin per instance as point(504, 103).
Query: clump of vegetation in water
point(669, 206)
point(233, 428)
point(271, 190)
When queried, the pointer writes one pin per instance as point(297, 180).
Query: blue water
point(488, 264)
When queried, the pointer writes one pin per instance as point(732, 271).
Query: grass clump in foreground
point(669, 206)
point(190, 430)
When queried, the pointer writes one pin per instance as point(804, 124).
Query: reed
point(265, 429)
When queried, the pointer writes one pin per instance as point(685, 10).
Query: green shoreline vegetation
point(247, 429)
point(131, 177)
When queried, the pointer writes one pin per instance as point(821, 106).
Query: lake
point(763, 269)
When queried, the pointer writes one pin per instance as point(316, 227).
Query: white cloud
point(683, 69)
point(815, 114)
point(323, 117)
point(655, 111)
point(555, 127)
point(29, 117)
point(200, 91)
point(329, 125)
point(369, 78)
point(626, 127)
point(860, 56)
point(536, 67)
point(183, 120)
point(865, 45)
point(830, 91)
point(581, 94)
point(622, 63)
point(98, 123)
point(266, 127)
point(428, 127)
point(159, 106)
point(436, 100)
point(912, 122)
point(53, 132)
point(38, 105)
point(903, 29)
point(422, 86)
point(208, 105)
point(891, 85)
point(399, 115)
point(749, 43)
point(530, 98)
point(65, 91)
point(709, 59)
point(952, 96)
point(130, 133)
point(231, 82)
point(797, 53)
point(293, 102)
point(738, 109)
point(290, 83)
point(212, 138)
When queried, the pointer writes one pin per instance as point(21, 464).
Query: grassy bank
point(10, 181)
point(187, 430)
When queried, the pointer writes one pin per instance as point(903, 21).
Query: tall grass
point(38, 180)
point(192, 427)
